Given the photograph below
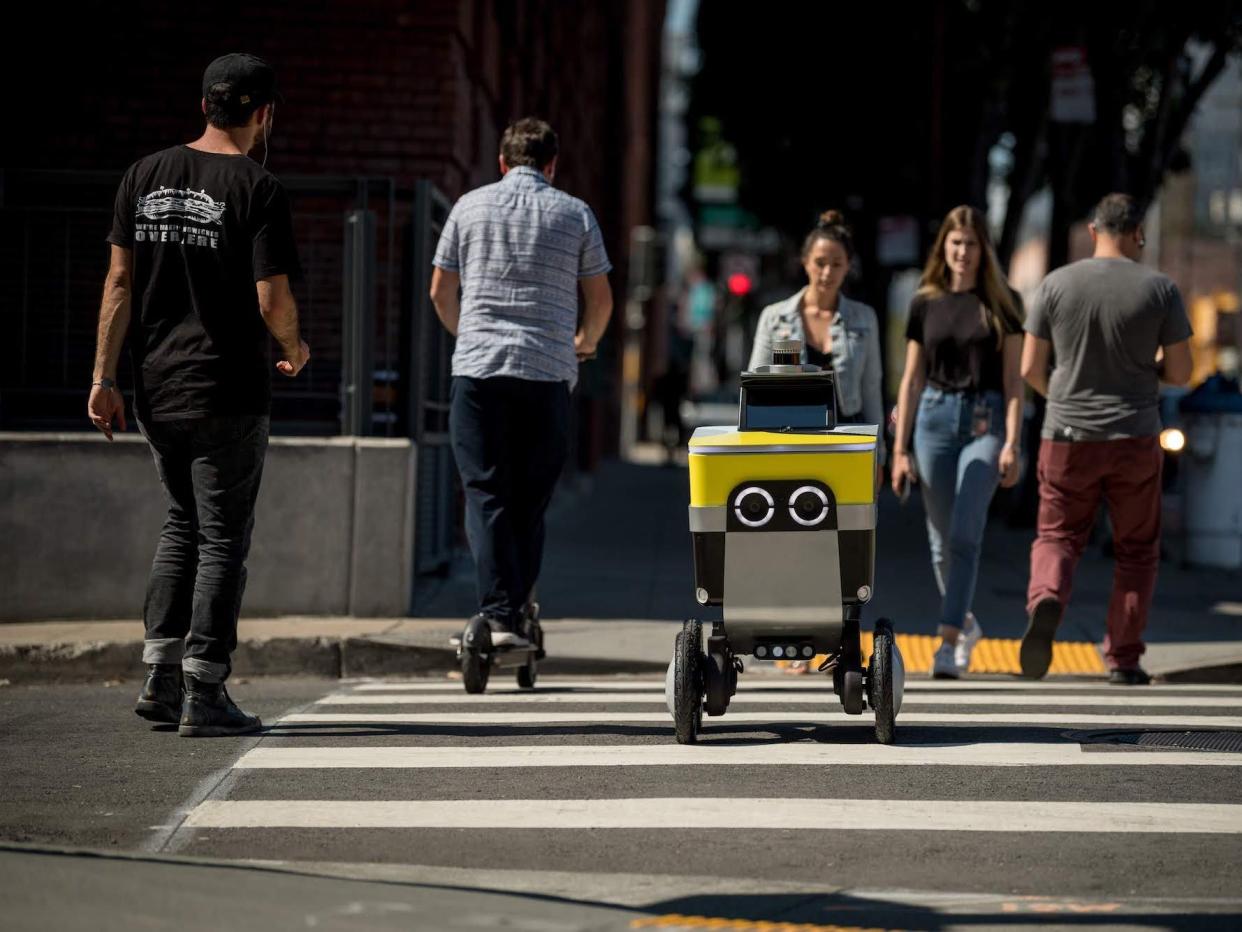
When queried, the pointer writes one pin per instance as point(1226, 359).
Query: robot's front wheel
point(880, 682)
point(688, 682)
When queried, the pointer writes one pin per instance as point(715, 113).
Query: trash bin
point(1212, 421)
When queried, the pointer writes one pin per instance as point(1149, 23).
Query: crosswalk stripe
point(828, 716)
point(731, 813)
point(824, 694)
point(811, 683)
point(649, 755)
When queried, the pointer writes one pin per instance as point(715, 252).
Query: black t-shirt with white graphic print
point(203, 228)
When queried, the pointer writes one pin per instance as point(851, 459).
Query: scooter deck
point(455, 641)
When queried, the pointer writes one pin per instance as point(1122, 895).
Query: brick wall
point(414, 89)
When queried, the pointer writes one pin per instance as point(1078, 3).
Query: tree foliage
point(895, 107)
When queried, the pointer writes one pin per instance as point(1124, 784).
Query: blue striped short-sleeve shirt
point(520, 246)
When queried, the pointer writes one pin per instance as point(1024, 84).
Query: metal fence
point(379, 359)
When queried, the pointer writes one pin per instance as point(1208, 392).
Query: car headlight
point(1172, 440)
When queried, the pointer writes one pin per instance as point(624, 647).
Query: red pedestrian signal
point(740, 284)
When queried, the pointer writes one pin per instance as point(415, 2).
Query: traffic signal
point(739, 284)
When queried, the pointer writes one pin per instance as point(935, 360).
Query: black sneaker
point(210, 713)
point(1134, 676)
point(162, 693)
point(1035, 654)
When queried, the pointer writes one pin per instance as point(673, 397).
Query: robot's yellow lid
point(859, 438)
point(842, 458)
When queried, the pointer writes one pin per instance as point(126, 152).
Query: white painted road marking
point(829, 716)
point(738, 813)
point(810, 684)
point(824, 694)
point(649, 755)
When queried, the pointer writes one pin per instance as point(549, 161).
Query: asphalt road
point(410, 805)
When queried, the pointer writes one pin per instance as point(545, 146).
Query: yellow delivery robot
point(782, 519)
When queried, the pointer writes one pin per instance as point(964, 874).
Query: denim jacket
point(855, 351)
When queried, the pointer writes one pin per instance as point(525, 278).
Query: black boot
point(210, 713)
point(160, 700)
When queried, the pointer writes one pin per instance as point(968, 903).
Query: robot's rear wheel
point(688, 682)
point(880, 682)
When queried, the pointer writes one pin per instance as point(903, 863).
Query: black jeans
point(210, 468)
point(510, 440)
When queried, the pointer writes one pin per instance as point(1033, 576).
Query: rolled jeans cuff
point(163, 650)
point(205, 670)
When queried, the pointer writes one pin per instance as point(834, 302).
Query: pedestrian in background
point(202, 250)
point(1115, 329)
point(962, 394)
point(518, 250)
point(836, 332)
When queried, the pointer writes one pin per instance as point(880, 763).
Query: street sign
point(897, 241)
point(1073, 87)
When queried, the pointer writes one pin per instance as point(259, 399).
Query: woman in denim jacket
point(836, 332)
point(963, 347)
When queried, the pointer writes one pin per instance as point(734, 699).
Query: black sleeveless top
point(824, 360)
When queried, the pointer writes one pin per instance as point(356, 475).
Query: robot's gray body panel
point(769, 592)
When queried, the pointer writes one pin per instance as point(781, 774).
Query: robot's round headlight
point(808, 506)
point(754, 506)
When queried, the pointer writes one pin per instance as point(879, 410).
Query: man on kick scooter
point(518, 251)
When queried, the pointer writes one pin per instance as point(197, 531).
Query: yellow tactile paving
point(678, 921)
point(993, 655)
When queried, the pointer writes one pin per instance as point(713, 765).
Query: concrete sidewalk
point(618, 579)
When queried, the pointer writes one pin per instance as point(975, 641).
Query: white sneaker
point(508, 639)
point(943, 666)
point(972, 634)
point(504, 636)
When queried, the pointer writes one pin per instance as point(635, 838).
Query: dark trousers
point(510, 440)
point(210, 468)
point(1073, 479)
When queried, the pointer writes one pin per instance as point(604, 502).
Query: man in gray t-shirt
point(1105, 318)
point(1115, 328)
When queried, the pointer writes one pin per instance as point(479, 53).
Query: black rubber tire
point(852, 688)
point(528, 673)
point(474, 672)
point(880, 682)
point(688, 682)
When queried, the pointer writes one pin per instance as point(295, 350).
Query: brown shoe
point(1135, 676)
point(1035, 654)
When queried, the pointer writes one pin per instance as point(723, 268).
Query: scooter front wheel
point(528, 672)
point(474, 655)
point(688, 682)
point(474, 672)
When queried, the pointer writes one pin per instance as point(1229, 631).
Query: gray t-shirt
point(1105, 319)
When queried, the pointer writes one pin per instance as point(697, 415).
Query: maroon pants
point(1073, 478)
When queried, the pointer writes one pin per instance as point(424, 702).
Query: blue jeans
point(210, 468)
point(958, 470)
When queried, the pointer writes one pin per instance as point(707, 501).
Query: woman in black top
point(963, 347)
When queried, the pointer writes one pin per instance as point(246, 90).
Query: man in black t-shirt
point(202, 251)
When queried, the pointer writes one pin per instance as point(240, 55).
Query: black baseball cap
point(252, 79)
